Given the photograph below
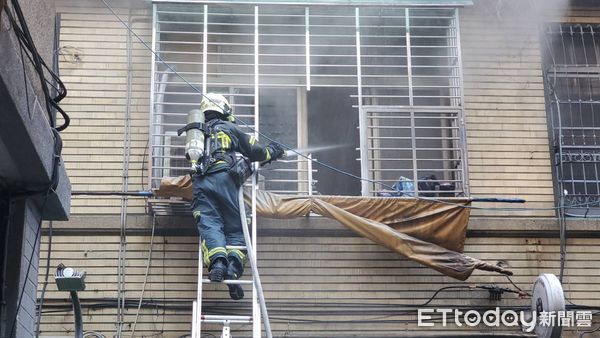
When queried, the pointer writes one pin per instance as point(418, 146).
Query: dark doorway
point(332, 121)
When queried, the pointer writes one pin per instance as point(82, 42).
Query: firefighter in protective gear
point(215, 203)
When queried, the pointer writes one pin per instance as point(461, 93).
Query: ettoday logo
point(507, 318)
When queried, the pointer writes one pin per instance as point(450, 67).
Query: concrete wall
point(26, 168)
point(23, 241)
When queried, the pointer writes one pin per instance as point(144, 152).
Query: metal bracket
point(226, 330)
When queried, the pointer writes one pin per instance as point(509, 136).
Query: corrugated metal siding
point(93, 66)
point(330, 279)
point(507, 135)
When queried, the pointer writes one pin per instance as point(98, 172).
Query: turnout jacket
point(226, 139)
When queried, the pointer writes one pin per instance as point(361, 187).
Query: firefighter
point(215, 202)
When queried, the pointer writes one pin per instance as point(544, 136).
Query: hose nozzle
point(289, 153)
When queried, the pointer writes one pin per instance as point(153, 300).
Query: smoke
point(517, 23)
point(508, 36)
point(522, 11)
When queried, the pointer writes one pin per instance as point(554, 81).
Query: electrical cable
point(451, 287)
point(93, 334)
point(589, 332)
point(326, 165)
point(45, 285)
point(560, 170)
point(30, 263)
point(62, 92)
point(517, 287)
point(59, 89)
point(137, 314)
point(24, 75)
point(122, 256)
point(360, 307)
point(164, 281)
point(36, 56)
point(142, 171)
point(51, 188)
point(562, 221)
point(26, 42)
point(25, 39)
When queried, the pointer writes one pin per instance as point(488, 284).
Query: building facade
point(492, 99)
point(34, 185)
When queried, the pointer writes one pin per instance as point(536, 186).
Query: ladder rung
point(223, 319)
point(235, 247)
point(229, 281)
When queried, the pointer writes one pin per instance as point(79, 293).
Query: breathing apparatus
point(198, 137)
point(194, 137)
point(197, 133)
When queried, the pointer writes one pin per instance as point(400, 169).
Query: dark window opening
point(332, 128)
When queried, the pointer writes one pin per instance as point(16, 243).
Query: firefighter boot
point(217, 270)
point(235, 271)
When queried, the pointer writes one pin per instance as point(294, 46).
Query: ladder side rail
point(252, 258)
point(197, 311)
point(256, 329)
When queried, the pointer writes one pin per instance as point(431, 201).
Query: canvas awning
point(428, 232)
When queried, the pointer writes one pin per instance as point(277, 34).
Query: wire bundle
point(28, 48)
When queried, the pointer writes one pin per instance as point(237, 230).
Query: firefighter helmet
point(216, 103)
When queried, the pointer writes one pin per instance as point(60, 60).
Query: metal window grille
point(411, 103)
point(572, 73)
point(404, 65)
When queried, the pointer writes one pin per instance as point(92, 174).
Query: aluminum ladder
point(227, 320)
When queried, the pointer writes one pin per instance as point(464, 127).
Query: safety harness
point(239, 169)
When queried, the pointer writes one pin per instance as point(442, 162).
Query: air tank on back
point(194, 138)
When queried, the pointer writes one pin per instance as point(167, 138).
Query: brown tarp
point(427, 232)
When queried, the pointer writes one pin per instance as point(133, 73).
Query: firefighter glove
point(275, 150)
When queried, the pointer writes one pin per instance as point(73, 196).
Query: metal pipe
point(307, 43)
point(310, 175)
point(77, 315)
point(498, 200)
point(113, 193)
point(362, 115)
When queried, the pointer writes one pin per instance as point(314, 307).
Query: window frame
point(419, 75)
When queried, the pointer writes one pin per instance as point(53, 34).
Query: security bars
point(412, 100)
point(572, 74)
point(402, 63)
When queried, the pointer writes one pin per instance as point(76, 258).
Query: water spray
point(304, 151)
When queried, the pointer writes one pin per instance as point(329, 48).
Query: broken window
point(572, 83)
point(373, 91)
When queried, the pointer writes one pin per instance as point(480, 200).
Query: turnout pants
point(216, 210)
